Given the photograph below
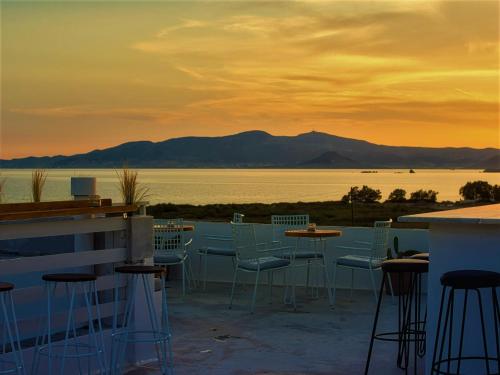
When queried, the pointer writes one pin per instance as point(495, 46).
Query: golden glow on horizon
point(83, 75)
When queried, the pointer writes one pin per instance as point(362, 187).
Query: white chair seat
point(211, 250)
point(304, 255)
point(359, 261)
point(266, 263)
point(168, 259)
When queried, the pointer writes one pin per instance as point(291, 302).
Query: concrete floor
point(208, 338)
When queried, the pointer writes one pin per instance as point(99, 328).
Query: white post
point(140, 250)
point(83, 188)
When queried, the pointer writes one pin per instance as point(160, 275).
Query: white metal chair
point(171, 247)
point(218, 246)
point(238, 218)
point(371, 257)
point(254, 257)
point(307, 255)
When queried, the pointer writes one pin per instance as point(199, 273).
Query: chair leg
point(326, 281)
point(374, 288)
point(352, 283)
point(205, 269)
point(232, 288)
point(255, 291)
point(270, 282)
point(308, 270)
point(334, 294)
point(183, 278)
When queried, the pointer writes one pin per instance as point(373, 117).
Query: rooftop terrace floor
point(208, 338)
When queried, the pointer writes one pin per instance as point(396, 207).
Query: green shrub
point(397, 195)
point(496, 193)
point(364, 195)
point(424, 195)
point(477, 190)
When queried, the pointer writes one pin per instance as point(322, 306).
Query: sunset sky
point(77, 76)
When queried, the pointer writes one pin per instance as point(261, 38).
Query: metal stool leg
point(68, 328)
point(496, 318)
point(152, 318)
point(93, 348)
point(159, 335)
point(127, 320)
point(375, 322)
point(99, 347)
point(12, 332)
point(483, 331)
point(166, 328)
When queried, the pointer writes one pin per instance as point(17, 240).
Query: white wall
point(220, 268)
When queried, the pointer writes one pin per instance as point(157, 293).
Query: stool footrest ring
point(11, 370)
point(463, 359)
point(382, 336)
point(91, 350)
point(156, 337)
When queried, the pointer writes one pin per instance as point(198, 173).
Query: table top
point(185, 228)
point(486, 214)
point(318, 233)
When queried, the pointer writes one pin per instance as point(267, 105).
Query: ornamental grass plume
point(38, 177)
point(131, 190)
point(2, 187)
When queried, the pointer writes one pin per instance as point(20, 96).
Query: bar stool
point(159, 335)
point(80, 289)
point(422, 349)
point(466, 280)
point(9, 322)
point(410, 325)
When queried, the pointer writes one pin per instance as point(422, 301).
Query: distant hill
point(330, 159)
point(258, 149)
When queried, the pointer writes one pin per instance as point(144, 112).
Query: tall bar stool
point(9, 323)
point(80, 289)
point(466, 280)
point(422, 349)
point(125, 334)
point(410, 325)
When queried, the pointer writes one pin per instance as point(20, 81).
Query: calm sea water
point(201, 186)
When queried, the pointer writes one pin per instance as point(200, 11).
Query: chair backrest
point(169, 236)
point(244, 241)
point(238, 218)
point(380, 239)
point(281, 223)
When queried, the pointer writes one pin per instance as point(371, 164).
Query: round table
point(321, 235)
point(185, 228)
point(318, 233)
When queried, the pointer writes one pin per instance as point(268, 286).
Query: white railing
point(100, 243)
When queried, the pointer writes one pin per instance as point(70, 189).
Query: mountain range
point(258, 149)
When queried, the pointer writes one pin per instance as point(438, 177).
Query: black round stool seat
point(405, 265)
point(471, 279)
point(69, 277)
point(421, 256)
point(140, 269)
point(5, 287)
